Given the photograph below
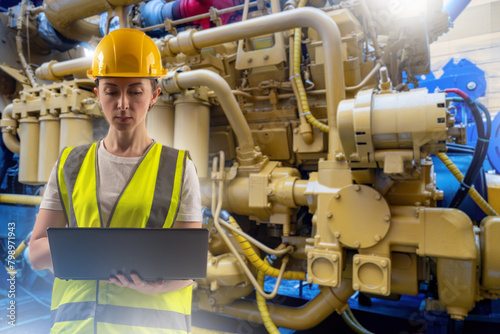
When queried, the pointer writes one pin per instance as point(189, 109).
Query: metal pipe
point(191, 42)
point(184, 80)
point(371, 28)
point(365, 80)
point(298, 318)
point(9, 128)
point(19, 44)
point(54, 70)
point(67, 16)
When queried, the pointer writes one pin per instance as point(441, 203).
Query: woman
point(124, 180)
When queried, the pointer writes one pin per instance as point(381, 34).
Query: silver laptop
point(154, 254)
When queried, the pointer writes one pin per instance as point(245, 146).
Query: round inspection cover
point(358, 216)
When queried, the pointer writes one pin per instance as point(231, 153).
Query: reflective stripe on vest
point(74, 307)
point(150, 199)
point(86, 312)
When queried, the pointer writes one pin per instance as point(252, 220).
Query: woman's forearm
point(39, 254)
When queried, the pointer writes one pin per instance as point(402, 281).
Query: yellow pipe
point(67, 16)
point(54, 70)
point(21, 199)
point(247, 152)
point(191, 42)
point(473, 193)
point(298, 318)
point(9, 128)
point(366, 79)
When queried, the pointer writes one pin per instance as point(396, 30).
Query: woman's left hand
point(138, 284)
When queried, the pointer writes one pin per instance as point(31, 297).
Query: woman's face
point(125, 101)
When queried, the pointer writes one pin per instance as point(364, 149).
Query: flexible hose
point(481, 147)
point(473, 193)
point(354, 324)
point(262, 306)
point(257, 262)
point(297, 79)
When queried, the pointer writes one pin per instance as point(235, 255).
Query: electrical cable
point(481, 147)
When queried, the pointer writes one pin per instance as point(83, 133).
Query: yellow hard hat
point(126, 53)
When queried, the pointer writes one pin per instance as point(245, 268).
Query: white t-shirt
point(114, 172)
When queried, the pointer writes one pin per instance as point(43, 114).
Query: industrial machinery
point(315, 158)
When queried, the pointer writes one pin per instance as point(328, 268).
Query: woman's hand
point(147, 287)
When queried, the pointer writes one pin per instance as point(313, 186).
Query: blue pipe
point(155, 12)
point(50, 36)
point(455, 8)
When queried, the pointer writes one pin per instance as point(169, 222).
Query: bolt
point(310, 255)
point(357, 261)
point(211, 301)
point(295, 149)
point(357, 244)
point(295, 131)
point(329, 215)
point(387, 218)
point(266, 56)
point(355, 286)
point(249, 59)
point(357, 188)
point(337, 196)
point(334, 283)
point(214, 261)
point(378, 237)
point(471, 85)
point(383, 290)
point(383, 263)
point(335, 258)
point(269, 205)
point(336, 235)
point(309, 280)
point(378, 197)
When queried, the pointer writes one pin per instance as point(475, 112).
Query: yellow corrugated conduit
point(258, 263)
point(296, 79)
point(20, 199)
point(473, 193)
point(261, 303)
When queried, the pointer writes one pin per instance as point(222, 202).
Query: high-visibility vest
point(150, 199)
